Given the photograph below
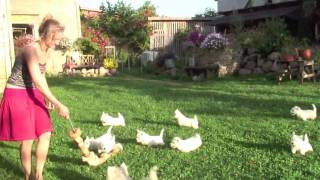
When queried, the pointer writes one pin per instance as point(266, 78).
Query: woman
point(24, 114)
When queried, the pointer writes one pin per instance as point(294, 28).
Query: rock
point(257, 71)
point(266, 67)
point(244, 71)
point(251, 65)
point(103, 71)
point(113, 71)
point(91, 71)
point(83, 71)
point(251, 57)
point(260, 62)
point(274, 56)
point(222, 71)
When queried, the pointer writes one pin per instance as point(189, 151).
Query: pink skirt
point(23, 115)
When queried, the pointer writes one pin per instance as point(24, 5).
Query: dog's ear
point(124, 168)
point(306, 137)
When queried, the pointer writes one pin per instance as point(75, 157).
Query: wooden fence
point(165, 29)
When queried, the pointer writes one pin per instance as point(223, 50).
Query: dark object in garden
point(196, 71)
point(162, 58)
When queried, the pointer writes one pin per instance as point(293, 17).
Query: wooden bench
point(306, 70)
point(86, 62)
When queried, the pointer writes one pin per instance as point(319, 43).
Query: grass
point(244, 123)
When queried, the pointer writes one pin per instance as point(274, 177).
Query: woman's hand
point(64, 111)
point(50, 106)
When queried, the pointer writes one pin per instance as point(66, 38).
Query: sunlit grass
point(245, 127)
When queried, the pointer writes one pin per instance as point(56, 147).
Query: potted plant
point(288, 54)
point(305, 50)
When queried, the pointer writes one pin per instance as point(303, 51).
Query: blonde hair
point(49, 26)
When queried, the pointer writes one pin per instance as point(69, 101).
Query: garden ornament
point(104, 153)
point(108, 120)
point(304, 114)
point(186, 145)
point(146, 139)
point(300, 144)
point(185, 121)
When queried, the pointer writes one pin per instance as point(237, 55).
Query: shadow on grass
point(64, 173)
point(179, 92)
point(274, 146)
point(8, 166)
point(144, 121)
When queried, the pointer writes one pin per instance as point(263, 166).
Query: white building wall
point(6, 43)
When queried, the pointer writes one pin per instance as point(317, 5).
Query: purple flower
point(214, 41)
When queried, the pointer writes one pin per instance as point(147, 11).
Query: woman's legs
point(26, 157)
point(41, 153)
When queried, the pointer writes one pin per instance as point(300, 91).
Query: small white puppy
point(146, 139)
point(304, 114)
point(118, 173)
point(108, 120)
point(300, 144)
point(185, 121)
point(186, 145)
point(152, 174)
point(101, 144)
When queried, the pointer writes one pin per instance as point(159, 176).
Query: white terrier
point(186, 145)
point(108, 120)
point(304, 114)
point(152, 174)
point(118, 173)
point(184, 121)
point(300, 144)
point(146, 139)
point(101, 144)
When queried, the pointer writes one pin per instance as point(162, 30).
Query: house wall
point(229, 5)
point(6, 43)
point(32, 12)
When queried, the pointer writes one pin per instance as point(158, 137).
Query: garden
point(246, 121)
point(245, 126)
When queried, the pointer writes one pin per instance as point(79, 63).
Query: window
point(21, 29)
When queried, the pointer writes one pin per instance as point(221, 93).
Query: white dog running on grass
point(185, 121)
point(300, 144)
point(146, 139)
point(304, 114)
point(186, 145)
point(101, 144)
point(121, 173)
point(108, 120)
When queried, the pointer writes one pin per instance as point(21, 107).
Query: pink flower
point(24, 40)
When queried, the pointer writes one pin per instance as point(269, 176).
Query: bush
point(266, 38)
point(86, 46)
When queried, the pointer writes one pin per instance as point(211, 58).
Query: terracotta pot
point(287, 57)
point(306, 53)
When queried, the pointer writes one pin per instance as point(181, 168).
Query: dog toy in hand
point(89, 156)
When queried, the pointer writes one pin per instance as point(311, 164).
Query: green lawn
point(245, 127)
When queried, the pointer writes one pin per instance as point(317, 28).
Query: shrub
point(214, 41)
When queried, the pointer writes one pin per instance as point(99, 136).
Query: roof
point(229, 5)
point(290, 12)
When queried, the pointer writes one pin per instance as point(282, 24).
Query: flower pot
point(287, 57)
point(305, 54)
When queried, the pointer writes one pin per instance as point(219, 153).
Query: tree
point(209, 12)
point(128, 27)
